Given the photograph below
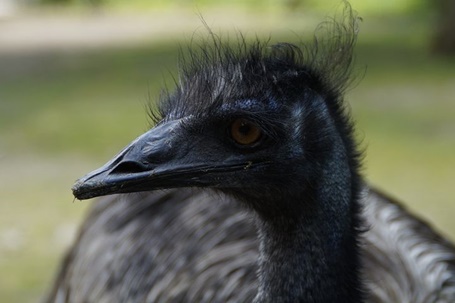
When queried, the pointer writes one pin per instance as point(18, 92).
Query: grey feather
point(405, 260)
point(187, 246)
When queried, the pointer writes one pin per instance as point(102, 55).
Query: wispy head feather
point(215, 71)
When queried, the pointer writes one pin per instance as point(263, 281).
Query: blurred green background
point(75, 77)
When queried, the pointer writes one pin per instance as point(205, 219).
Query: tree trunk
point(444, 40)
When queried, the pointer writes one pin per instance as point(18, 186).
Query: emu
point(248, 189)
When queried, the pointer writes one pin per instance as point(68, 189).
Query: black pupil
point(244, 129)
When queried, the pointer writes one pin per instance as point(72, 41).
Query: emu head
point(253, 121)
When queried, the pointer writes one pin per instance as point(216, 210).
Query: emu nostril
point(128, 167)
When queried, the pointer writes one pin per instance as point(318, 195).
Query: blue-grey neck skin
point(312, 255)
point(311, 260)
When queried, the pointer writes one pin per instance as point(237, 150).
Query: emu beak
point(160, 158)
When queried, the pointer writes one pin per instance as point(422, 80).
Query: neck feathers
point(313, 256)
point(312, 259)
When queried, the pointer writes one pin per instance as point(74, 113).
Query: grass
point(64, 114)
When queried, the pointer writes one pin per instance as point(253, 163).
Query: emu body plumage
point(279, 212)
point(191, 246)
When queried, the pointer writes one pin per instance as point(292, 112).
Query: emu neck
point(312, 256)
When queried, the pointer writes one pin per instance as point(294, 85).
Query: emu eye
point(244, 132)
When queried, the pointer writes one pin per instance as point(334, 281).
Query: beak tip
point(79, 190)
